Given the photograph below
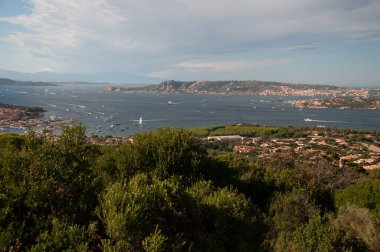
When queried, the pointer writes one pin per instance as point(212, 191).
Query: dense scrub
point(164, 192)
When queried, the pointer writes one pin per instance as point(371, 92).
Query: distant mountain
point(6, 81)
point(243, 87)
point(108, 77)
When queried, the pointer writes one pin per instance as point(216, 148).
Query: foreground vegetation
point(247, 130)
point(165, 192)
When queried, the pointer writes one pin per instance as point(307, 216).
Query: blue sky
point(302, 41)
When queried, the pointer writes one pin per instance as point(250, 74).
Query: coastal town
point(22, 118)
point(361, 149)
point(341, 147)
point(358, 102)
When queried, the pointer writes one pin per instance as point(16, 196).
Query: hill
point(243, 87)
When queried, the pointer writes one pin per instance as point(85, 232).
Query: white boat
point(308, 120)
point(170, 103)
point(141, 121)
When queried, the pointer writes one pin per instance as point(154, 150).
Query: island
point(248, 87)
point(364, 102)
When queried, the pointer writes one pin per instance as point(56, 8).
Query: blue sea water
point(106, 113)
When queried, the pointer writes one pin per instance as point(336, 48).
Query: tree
point(130, 211)
point(62, 236)
point(169, 151)
point(363, 194)
point(359, 224)
point(290, 210)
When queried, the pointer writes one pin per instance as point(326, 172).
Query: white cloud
point(230, 66)
point(220, 66)
point(109, 34)
point(59, 30)
point(216, 69)
point(164, 74)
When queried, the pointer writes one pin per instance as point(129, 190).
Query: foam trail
point(311, 120)
point(74, 105)
point(151, 120)
point(324, 121)
point(181, 102)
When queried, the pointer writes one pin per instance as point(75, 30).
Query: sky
point(300, 41)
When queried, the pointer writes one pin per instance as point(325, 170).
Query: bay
point(114, 113)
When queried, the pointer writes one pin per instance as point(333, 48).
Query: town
point(315, 146)
point(22, 118)
point(342, 147)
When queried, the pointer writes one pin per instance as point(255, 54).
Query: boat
point(308, 120)
point(170, 103)
point(140, 121)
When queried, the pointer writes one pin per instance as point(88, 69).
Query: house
point(226, 138)
point(243, 148)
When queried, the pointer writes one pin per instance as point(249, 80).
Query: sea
point(118, 113)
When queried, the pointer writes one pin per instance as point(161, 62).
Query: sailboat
point(139, 122)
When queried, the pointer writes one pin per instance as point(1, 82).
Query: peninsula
point(340, 103)
point(249, 87)
point(23, 117)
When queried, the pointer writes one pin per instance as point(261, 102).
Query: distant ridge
point(103, 77)
point(244, 87)
point(6, 81)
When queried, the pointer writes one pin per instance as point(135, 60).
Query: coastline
point(23, 118)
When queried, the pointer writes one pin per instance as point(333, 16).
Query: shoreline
point(23, 118)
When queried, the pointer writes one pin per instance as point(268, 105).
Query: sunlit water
point(115, 113)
